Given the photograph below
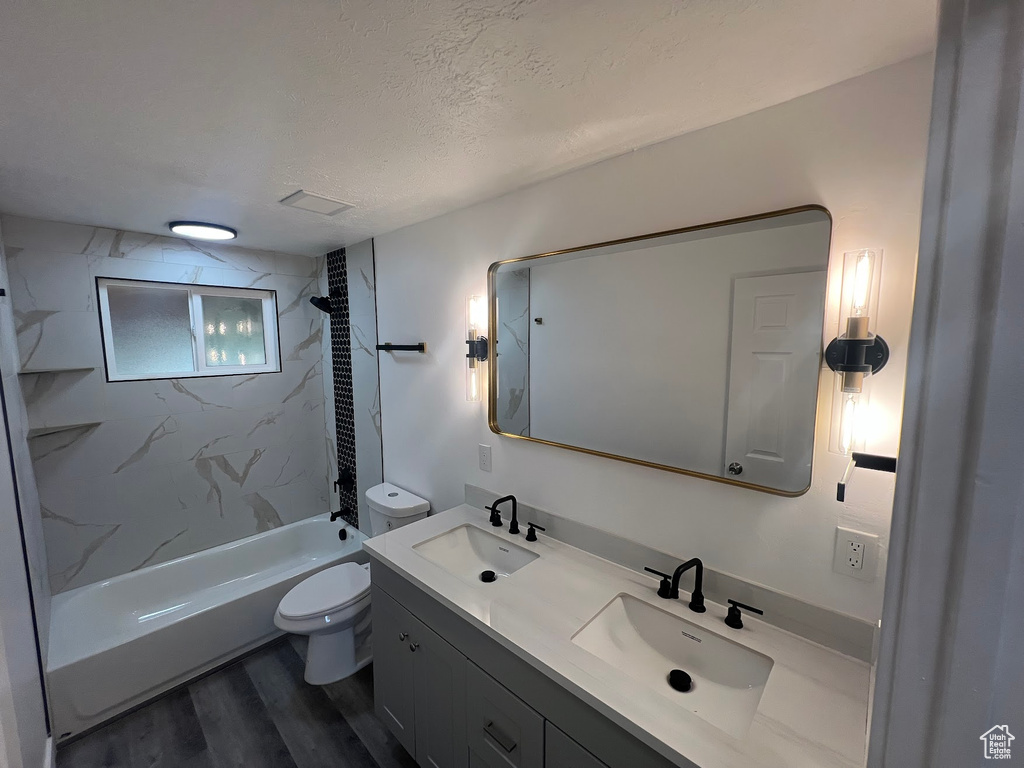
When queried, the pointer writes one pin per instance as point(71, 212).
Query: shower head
point(323, 303)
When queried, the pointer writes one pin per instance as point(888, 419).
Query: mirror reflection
point(697, 350)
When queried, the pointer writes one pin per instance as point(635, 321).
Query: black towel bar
point(389, 347)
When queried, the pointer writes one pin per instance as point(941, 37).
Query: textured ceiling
point(130, 113)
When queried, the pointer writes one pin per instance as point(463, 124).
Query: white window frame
point(271, 338)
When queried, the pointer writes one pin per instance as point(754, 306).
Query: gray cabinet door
point(394, 668)
point(440, 702)
point(562, 752)
point(502, 731)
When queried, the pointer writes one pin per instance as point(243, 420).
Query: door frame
point(952, 632)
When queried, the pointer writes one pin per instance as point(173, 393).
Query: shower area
point(163, 519)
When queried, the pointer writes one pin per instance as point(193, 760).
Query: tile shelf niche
point(31, 371)
point(40, 431)
point(49, 430)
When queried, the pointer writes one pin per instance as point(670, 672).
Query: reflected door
point(773, 381)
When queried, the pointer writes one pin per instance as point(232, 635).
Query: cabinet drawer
point(562, 752)
point(502, 730)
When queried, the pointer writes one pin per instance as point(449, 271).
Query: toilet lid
point(326, 591)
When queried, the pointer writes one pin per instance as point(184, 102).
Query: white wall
point(18, 424)
point(856, 148)
point(651, 324)
point(22, 723)
point(172, 466)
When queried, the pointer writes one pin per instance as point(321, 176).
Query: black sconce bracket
point(845, 355)
point(477, 348)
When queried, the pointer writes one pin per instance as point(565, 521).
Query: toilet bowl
point(333, 608)
point(333, 605)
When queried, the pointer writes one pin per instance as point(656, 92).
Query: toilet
point(333, 605)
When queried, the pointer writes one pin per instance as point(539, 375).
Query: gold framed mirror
point(696, 350)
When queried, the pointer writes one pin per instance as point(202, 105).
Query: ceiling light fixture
point(202, 230)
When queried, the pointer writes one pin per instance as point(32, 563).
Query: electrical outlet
point(485, 457)
point(856, 554)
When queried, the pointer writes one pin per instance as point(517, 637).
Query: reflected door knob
point(735, 468)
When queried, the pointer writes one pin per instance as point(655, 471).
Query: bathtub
point(117, 643)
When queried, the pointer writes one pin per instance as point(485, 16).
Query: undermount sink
point(648, 643)
point(468, 551)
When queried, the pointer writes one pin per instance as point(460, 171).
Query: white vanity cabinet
point(419, 685)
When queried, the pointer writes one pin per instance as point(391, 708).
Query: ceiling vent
point(307, 201)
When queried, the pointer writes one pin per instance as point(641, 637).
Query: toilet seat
point(326, 592)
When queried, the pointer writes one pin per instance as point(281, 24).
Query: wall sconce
point(476, 327)
point(856, 352)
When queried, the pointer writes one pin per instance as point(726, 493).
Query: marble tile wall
point(513, 346)
point(362, 304)
point(161, 468)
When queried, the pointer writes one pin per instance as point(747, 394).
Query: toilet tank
point(392, 507)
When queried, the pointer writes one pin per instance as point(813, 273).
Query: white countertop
point(814, 708)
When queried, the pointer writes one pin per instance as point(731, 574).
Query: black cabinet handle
point(413, 647)
point(500, 739)
point(403, 635)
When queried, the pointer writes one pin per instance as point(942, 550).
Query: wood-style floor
point(256, 713)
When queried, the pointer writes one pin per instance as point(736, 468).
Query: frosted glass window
point(170, 330)
point(151, 330)
point(233, 327)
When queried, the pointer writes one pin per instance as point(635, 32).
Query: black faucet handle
point(495, 516)
point(531, 534)
point(665, 587)
point(734, 618)
point(750, 608)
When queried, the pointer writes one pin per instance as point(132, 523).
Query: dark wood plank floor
point(257, 713)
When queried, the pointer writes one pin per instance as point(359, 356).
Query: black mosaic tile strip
point(344, 403)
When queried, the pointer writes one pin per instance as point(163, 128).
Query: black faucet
point(697, 596)
point(669, 586)
point(513, 526)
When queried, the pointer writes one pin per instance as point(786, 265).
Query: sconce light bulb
point(473, 384)
point(862, 283)
point(476, 327)
point(848, 423)
point(476, 316)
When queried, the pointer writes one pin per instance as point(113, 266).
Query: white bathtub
point(119, 642)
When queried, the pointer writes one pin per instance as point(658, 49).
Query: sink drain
point(488, 576)
point(679, 680)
